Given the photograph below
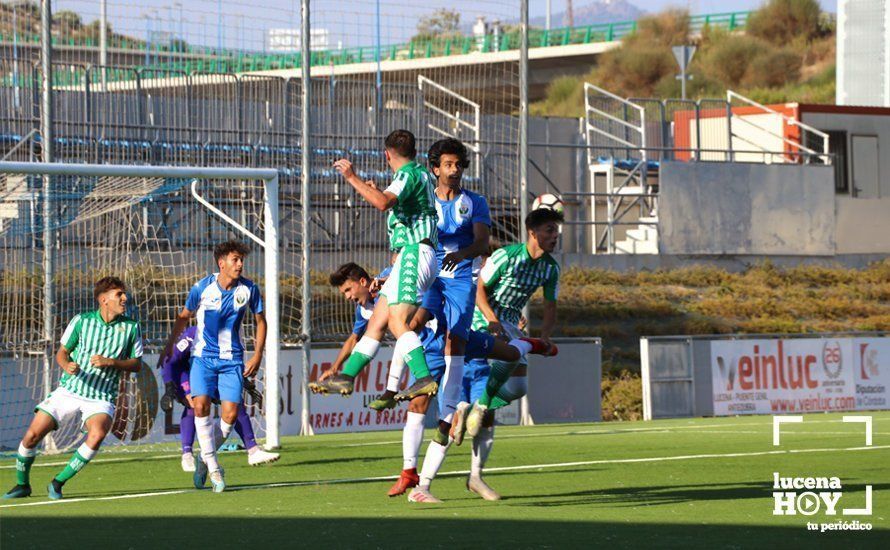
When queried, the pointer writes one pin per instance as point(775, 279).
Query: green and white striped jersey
point(88, 335)
point(414, 217)
point(511, 276)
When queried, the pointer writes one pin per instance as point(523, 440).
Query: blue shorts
point(479, 345)
point(455, 299)
point(209, 376)
point(475, 376)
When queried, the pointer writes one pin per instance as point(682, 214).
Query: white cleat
point(218, 481)
point(474, 419)
point(477, 485)
point(260, 456)
point(188, 462)
point(422, 495)
point(459, 422)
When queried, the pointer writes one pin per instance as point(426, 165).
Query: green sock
point(356, 362)
point(417, 363)
point(75, 465)
point(500, 373)
point(23, 469)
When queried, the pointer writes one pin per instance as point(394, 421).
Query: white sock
point(367, 346)
point(523, 346)
point(86, 452)
point(451, 386)
point(408, 342)
point(396, 367)
point(481, 449)
point(435, 456)
point(204, 428)
point(412, 437)
point(24, 451)
point(224, 430)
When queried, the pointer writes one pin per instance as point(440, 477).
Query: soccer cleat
point(475, 484)
point(200, 475)
point(260, 456)
point(54, 492)
point(407, 479)
point(422, 495)
point(218, 481)
point(459, 422)
point(19, 491)
point(474, 419)
point(169, 397)
point(424, 386)
point(383, 402)
point(188, 462)
point(540, 347)
point(336, 384)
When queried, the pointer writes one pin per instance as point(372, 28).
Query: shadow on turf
point(618, 497)
point(249, 532)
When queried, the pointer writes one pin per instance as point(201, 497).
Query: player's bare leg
point(41, 425)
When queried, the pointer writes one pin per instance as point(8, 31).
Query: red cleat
point(407, 480)
point(540, 347)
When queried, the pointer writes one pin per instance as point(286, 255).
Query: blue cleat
point(19, 491)
point(52, 492)
point(200, 475)
point(218, 481)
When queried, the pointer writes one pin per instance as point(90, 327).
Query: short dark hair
point(538, 217)
point(449, 146)
point(224, 249)
point(105, 284)
point(348, 272)
point(402, 142)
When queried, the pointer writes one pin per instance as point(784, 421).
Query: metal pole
point(305, 323)
point(273, 364)
point(379, 76)
point(524, 416)
point(219, 28)
point(547, 23)
point(46, 131)
point(103, 39)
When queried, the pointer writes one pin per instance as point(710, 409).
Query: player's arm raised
point(253, 364)
point(381, 200)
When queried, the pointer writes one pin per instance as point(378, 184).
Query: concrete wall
point(863, 225)
point(723, 208)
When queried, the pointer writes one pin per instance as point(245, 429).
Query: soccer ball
point(548, 201)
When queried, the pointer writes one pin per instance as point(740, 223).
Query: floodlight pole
point(306, 178)
point(46, 145)
point(103, 40)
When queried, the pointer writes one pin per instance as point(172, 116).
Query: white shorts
point(512, 332)
point(412, 275)
point(61, 404)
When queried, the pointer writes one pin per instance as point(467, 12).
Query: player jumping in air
point(412, 233)
point(506, 283)
point(220, 302)
point(175, 372)
point(97, 347)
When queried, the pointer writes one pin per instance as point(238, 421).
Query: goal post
point(151, 225)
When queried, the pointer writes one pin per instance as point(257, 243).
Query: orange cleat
point(407, 480)
point(539, 347)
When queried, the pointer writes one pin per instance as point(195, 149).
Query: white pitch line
point(38, 464)
point(287, 484)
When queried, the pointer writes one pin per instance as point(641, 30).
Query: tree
point(441, 22)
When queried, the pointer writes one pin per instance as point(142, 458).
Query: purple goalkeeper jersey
point(177, 363)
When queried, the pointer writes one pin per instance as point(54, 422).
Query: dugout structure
point(63, 226)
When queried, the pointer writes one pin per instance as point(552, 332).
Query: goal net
point(154, 227)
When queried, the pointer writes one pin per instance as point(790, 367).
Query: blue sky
point(244, 24)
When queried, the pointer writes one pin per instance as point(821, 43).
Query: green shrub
point(779, 21)
point(622, 397)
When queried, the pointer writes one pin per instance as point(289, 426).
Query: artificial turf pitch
point(673, 483)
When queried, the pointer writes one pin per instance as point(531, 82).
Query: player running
point(220, 301)
point(412, 233)
point(175, 372)
point(97, 347)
